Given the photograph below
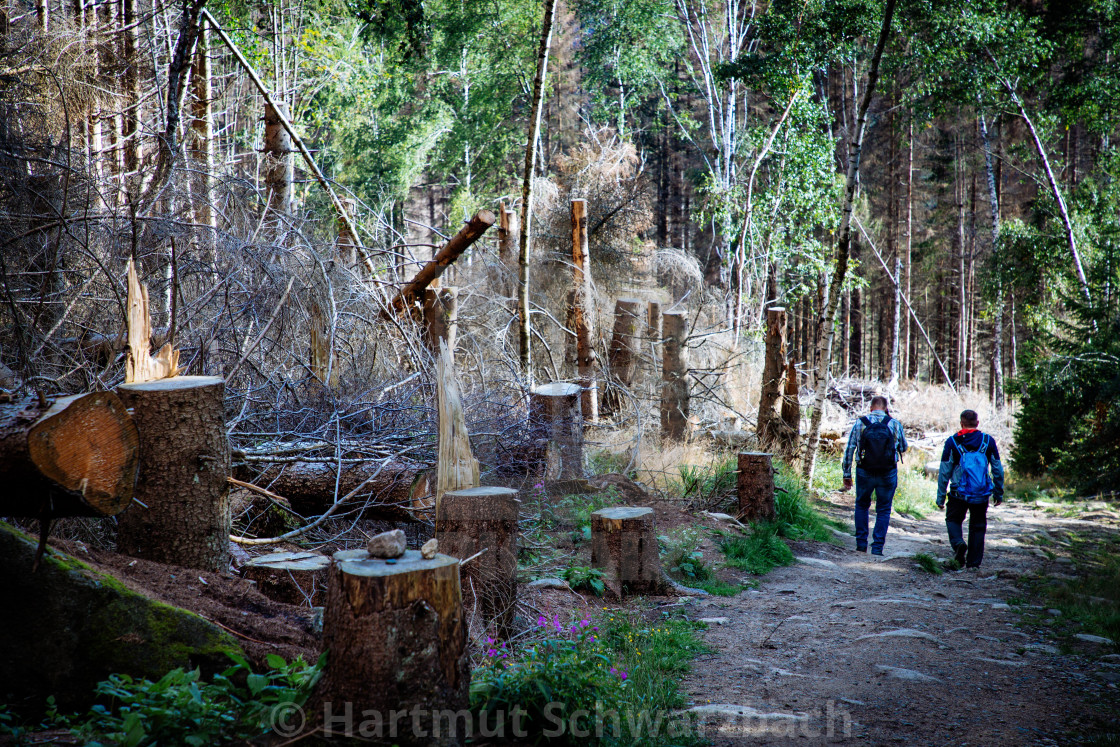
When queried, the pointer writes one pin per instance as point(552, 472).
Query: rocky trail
point(845, 648)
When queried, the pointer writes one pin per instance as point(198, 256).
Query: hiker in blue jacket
point(965, 463)
point(875, 444)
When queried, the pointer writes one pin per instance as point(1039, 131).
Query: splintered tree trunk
point(441, 317)
point(76, 457)
point(298, 578)
point(674, 377)
point(184, 517)
point(756, 487)
point(772, 375)
point(483, 520)
point(507, 251)
point(624, 350)
point(456, 467)
point(624, 545)
point(396, 641)
point(278, 159)
point(556, 418)
point(581, 312)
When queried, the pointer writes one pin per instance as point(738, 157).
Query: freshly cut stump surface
point(483, 520)
point(624, 545)
point(298, 578)
point(395, 638)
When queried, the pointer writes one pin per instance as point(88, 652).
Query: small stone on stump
point(429, 549)
point(624, 545)
point(298, 578)
point(756, 487)
point(395, 639)
point(390, 544)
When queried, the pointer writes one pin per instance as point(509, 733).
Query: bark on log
point(624, 545)
point(278, 169)
point(184, 514)
point(791, 410)
point(392, 491)
point(484, 520)
point(458, 244)
point(674, 377)
point(580, 314)
point(625, 349)
point(654, 323)
point(298, 578)
point(756, 487)
point(77, 457)
point(441, 317)
point(555, 417)
point(772, 374)
point(396, 640)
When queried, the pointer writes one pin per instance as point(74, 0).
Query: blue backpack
point(975, 486)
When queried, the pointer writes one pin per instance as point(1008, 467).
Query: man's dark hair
point(969, 419)
point(878, 401)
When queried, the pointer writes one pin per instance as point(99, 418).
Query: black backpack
point(877, 446)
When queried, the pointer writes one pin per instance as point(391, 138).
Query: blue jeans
point(883, 486)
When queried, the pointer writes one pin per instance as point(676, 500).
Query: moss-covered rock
point(67, 627)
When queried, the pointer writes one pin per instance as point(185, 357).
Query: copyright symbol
point(287, 719)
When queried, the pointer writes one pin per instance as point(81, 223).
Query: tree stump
point(674, 377)
point(624, 545)
point(441, 316)
point(298, 578)
point(396, 640)
point(624, 351)
point(184, 514)
point(78, 456)
point(555, 416)
point(484, 520)
point(756, 487)
point(653, 324)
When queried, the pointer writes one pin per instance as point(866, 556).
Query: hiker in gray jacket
point(965, 462)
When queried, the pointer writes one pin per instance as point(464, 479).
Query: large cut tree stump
point(184, 513)
point(78, 456)
point(756, 487)
point(625, 350)
point(674, 377)
point(395, 640)
point(624, 545)
point(555, 417)
point(483, 520)
point(298, 578)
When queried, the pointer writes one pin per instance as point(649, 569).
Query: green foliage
point(181, 708)
point(1091, 600)
point(707, 486)
point(606, 462)
point(796, 518)
point(759, 552)
point(916, 495)
point(928, 563)
point(613, 663)
point(582, 577)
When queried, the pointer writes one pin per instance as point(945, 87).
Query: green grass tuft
point(929, 563)
point(759, 552)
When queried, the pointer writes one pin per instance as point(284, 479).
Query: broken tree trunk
point(556, 419)
point(396, 641)
point(624, 545)
point(756, 487)
point(674, 377)
point(654, 323)
point(298, 578)
point(483, 520)
point(458, 244)
point(441, 317)
point(183, 517)
point(580, 313)
point(624, 350)
point(791, 411)
point(772, 376)
point(278, 172)
point(456, 466)
point(141, 365)
point(392, 490)
point(78, 456)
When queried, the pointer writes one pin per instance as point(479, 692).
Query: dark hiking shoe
point(877, 552)
point(959, 554)
point(861, 548)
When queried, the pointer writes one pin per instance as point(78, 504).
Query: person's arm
point(850, 451)
point(902, 445)
point(945, 473)
point(997, 472)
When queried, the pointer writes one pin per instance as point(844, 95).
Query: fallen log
point(78, 456)
point(458, 244)
point(392, 490)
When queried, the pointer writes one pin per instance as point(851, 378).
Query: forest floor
point(844, 647)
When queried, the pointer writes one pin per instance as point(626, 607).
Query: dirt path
point(841, 648)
